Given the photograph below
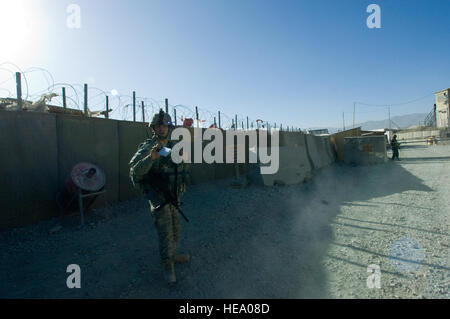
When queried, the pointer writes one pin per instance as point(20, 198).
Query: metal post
point(281, 127)
point(435, 118)
point(343, 121)
point(219, 121)
point(215, 125)
point(85, 99)
point(389, 110)
point(196, 115)
point(232, 123)
point(143, 111)
point(134, 106)
point(107, 107)
point(247, 123)
point(64, 99)
point(242, 125)
point(354, 109)
point(175, 115)
point(19, 90)
point(167, 106)
point(235, 122)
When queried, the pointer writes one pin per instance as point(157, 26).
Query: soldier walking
point(163, 182)
point(395, 146)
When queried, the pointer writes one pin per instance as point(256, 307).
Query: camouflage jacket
point(395, 144)
point(156, 177)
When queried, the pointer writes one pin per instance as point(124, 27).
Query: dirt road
point(314, 240)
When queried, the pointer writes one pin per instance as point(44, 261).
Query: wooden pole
point(389, 110)
point(19, 90)
point(107, 107)
point(85, 99)
point(354, 110)
point(134, 106)
point(219, 121)
point(196, 115)
point(64, 99)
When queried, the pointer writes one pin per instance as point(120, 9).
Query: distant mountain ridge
point(401, 121)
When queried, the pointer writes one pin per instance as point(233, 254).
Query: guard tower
point(442, 108)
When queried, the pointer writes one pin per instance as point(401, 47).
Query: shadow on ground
point(257, 242)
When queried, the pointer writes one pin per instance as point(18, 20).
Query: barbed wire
point(120, 105)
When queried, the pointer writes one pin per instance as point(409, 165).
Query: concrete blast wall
point(28, 167)
point(419, 135)
point(38, 151)
point(295, 164)
point(337, 140)
point(365, 150)
point(318, 151)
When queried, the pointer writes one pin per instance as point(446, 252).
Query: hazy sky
point(299, 63)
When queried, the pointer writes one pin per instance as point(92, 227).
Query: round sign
point(88, 177)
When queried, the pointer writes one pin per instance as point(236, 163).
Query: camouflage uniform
point(156, 178)
point(395, 146)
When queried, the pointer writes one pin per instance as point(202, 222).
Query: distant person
point(395, 146)
point(163, 182)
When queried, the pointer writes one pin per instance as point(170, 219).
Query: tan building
point(442, 108)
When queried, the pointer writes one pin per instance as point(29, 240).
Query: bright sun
point(15, 25)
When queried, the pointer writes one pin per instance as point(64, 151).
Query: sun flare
point(15, 25)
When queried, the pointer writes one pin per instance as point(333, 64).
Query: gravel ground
point(314, 240)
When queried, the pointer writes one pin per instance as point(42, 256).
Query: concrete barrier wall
point(365, 150)
point(317, 151)
point(89, 140)
point(38, 151)
point(419, 134)
point(327, 152)
point(338, 140)
point(28, 167)
point(294, 165)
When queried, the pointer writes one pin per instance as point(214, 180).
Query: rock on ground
point(314, 240)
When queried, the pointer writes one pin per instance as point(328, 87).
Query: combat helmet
point(161, 118)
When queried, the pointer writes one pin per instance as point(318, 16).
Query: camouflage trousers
point(168, 227)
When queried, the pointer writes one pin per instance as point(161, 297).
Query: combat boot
point(170, 273)
point(182, 258)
